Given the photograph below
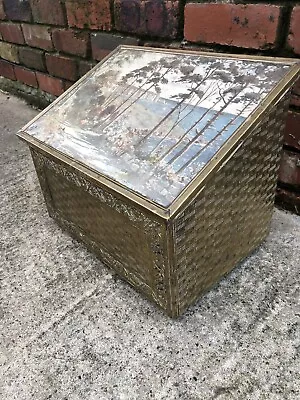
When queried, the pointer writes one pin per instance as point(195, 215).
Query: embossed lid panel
point(151, 120)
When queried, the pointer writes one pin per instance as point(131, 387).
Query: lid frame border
point(222, 155)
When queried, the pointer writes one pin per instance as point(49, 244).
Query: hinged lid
point(151, 120)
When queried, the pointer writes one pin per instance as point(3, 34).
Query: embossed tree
point(137, 84)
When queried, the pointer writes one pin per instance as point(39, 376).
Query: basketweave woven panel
point(164, 164)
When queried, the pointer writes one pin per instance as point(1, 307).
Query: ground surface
point(69, 329)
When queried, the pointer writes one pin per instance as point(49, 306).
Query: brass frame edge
point(104, 182)
point(68, 91)
point(233, 143)
point(228, 148)
point(172, 284)
point(249, 57)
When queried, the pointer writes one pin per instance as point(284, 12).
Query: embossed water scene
point(151, 120)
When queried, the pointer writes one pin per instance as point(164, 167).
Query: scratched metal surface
point(69, 329)
point(151, 120)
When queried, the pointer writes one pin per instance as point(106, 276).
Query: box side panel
point(230, 216)
point(124, 236)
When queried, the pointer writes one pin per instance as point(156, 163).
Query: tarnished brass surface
point(173, 262)
point(227, 148)
point(172, 255)
point(127, 239)
point(231, 214)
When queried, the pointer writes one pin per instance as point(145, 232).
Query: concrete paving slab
point(70, 329)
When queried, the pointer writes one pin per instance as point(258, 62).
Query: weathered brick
point(38, 36)
point(294, 32)
point(71, 42)
point(161, 18)
point(12, 32)
point(9, 52)
point(17, 10)
point(7, 70)
point(289, 172)
point(93, 14)
point(292, 130)
point(84, 67)
point(50, 84)
point(288, 200)
point(2, 13)
point(26, 76)
point(128, 16)
point(48, 12)
point(250, 26)
point(32, 58)
point(150, 17)
point(62, 67)
point(104, 43)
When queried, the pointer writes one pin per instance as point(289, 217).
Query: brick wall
point(46, 45)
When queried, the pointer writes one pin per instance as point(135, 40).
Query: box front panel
point(231, 215)
point(121, 234)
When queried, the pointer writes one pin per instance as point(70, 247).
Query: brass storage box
point(164, 163)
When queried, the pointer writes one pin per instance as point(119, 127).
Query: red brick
point(38, 36)
point(93, 14)
point(17, 10)
point(9, 52)
point(294, 33)
point(292, 130)
point(2, 13)
point(12, 32)
point(288, 200)
point(71, 42)
point(49, 84)
point(7, 70)
point(62, 67)
point(289, 172)
point(32, 58)
point(84, 67)
point(250, 26)
point(152, 17)
point(26, 76)
point(48, 12)
point(104, 43)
